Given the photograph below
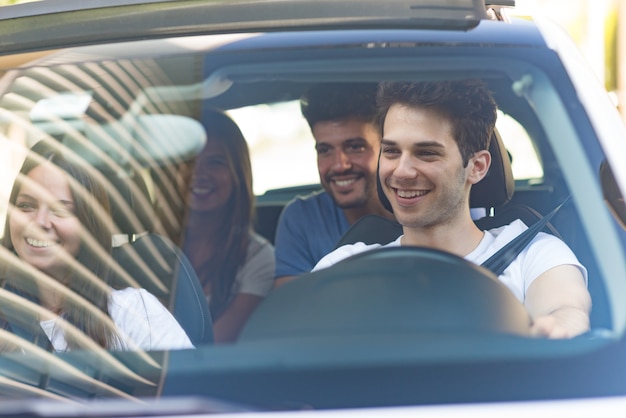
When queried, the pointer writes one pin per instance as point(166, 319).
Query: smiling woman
point(59, 224)
point(235, 265)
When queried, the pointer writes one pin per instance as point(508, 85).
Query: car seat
point(152, 261)
point(492, 193)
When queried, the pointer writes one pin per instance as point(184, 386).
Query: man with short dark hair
point(342, 117)
point(434, 148)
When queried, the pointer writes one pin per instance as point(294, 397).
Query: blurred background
point(598, 27)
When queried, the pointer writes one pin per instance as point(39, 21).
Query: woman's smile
point(42, 224)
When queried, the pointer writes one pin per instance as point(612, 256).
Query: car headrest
point(494, 190)
point(498, 186)
point(131, 209)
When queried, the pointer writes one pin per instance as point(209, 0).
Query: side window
point(525, 161)
point(13, 138)
point(270, 131)
point(278, 136)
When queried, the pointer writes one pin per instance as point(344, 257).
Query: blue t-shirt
point(309, 228)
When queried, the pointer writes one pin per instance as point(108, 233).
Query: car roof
point(433, 10)
point(34, 26)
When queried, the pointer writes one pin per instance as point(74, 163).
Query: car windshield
point(140, 176)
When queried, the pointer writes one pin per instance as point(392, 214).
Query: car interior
point(503, 197)
point(227, 86)
point(136, 121)
point(493, 193)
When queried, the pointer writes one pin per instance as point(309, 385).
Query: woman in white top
point(59, 223)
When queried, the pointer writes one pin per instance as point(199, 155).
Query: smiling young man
point(342, 118)
point(433, 149)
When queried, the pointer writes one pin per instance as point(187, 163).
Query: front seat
point(492, 193)
point(154, 262)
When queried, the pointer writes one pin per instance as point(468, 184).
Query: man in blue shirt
point(347, 141)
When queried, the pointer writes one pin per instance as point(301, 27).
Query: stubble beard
point(450, 204)
point(360, 201)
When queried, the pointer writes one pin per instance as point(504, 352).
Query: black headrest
point(494, 190)
point(131, 209)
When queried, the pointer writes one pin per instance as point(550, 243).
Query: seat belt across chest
point(498, 262)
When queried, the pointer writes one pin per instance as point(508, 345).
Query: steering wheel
point(391, 290)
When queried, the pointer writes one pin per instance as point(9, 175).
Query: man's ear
point(478, 166)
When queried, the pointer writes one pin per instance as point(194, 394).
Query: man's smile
point(410, 194)
point(344, 181)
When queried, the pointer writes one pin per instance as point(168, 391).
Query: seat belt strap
point(498, 262)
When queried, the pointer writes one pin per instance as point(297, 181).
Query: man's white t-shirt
point(544, 252)
point(142, 322)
